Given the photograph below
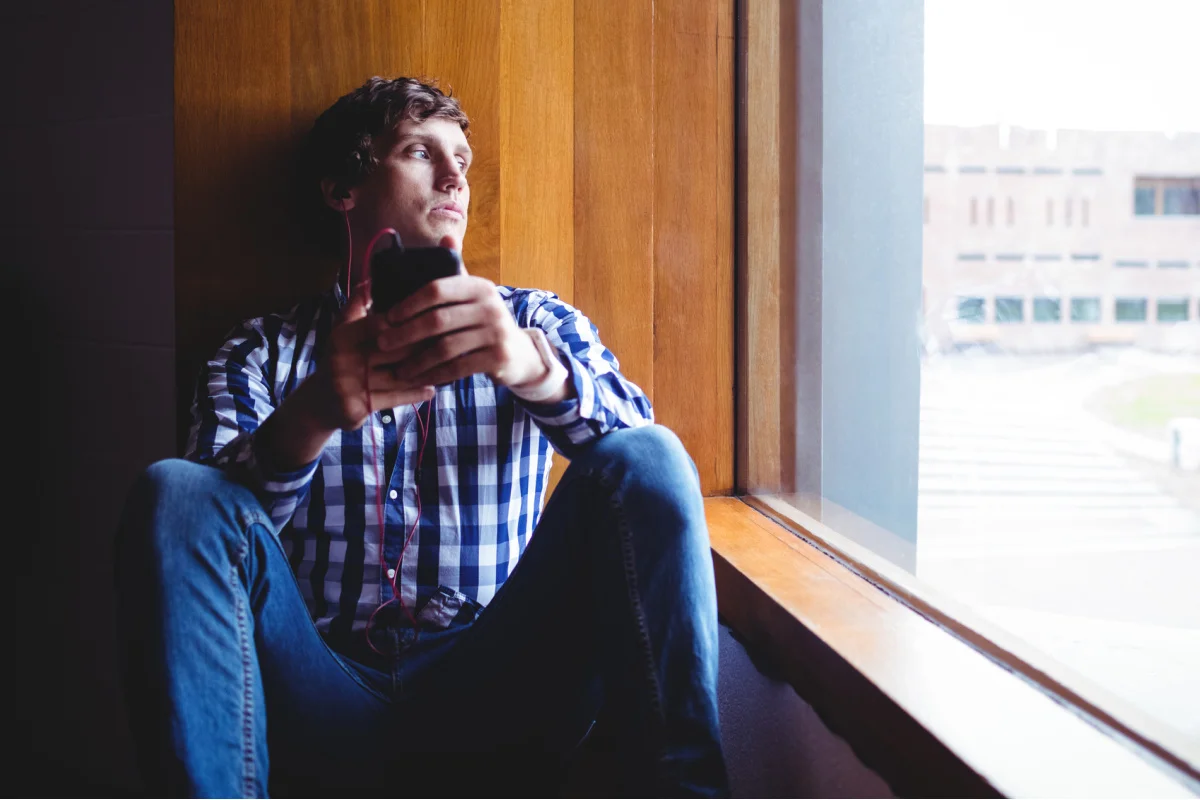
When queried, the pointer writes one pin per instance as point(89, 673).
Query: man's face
point(420, 185)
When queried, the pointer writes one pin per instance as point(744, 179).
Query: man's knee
point(654, 473)
point(173, 499)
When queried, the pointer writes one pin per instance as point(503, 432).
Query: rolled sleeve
point(603, 399)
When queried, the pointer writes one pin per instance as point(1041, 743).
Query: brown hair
point(340, 145)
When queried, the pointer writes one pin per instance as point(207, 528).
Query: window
point(1010, 309)
point(1085, 309)
point(1144, 200)
point(1181, 197)
point(1166, 196)
point(972, 309)
point(1130, 309)
point(966, 441)
point(1173, 310)
point(1173, 264)
point(1047, 309)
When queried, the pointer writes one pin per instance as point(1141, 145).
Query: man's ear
point(337, 196)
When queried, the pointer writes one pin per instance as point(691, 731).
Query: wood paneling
point(614, 179)
point(536, 148)
point(693, 279)
point(603, 134)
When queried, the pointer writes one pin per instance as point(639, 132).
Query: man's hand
point(339, 395)
point(350, 374)
point(452, 328)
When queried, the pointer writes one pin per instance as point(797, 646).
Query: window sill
point(928, 712)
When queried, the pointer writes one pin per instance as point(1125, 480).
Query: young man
point(272, 622)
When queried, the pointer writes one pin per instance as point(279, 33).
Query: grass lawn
point(1145, 405)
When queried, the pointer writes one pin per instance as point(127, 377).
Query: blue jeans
point(610, 614)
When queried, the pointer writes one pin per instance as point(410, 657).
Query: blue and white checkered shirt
point(482, 481)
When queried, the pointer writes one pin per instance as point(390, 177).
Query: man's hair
point(342, 144)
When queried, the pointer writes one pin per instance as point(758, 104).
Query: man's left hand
point(455, 327)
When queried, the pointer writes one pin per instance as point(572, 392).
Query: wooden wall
point(603, 132)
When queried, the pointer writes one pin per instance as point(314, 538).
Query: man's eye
point(462, 164)
point(421, 152)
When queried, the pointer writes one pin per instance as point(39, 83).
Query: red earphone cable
point(423, 425)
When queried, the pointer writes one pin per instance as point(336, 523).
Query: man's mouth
point(453, 210)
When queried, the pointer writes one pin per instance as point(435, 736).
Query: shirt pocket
point(448, 607)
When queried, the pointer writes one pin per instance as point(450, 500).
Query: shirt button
point(387, 418)
point(391, 574)
point(393, 494)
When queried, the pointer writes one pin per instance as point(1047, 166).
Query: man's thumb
point(356, 307)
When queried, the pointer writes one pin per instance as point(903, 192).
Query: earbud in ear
point(341, 193)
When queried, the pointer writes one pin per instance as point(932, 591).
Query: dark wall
point(86, 250)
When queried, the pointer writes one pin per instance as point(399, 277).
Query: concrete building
point(1057, 241)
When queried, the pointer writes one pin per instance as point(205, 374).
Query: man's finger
point(357, 306)
point(443, 291)
point(433, 323)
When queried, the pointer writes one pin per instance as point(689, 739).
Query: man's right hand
point(340, 394)
point(344, 379)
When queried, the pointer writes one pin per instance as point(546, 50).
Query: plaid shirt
point(481, 483)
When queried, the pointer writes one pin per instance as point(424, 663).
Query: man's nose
point(452, 177)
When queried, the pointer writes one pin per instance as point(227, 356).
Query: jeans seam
point(354, 676)
point(249, 770)
point(628, 558)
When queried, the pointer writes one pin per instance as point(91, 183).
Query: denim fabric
point(609, 614)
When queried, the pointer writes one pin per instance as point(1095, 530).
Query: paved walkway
point(1029, 511)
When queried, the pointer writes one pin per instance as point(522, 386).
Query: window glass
point(1047, 309)
point(1130, 309)
point(1010, 309)
point(1143, 200)
point(1047, 477)
point(1085, 309)
point(1024, 471)
point(1174, 310)
point(971, 309)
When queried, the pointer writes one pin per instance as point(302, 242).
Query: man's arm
point(274, 450)
point(599, 398)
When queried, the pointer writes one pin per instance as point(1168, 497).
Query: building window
point(1181, 197)
point(1166, 196)
point(1049, 210)
point(1173, 310)
point(1126, 262)
point(1067, 212)
point(1130, 309)
point(974, 210)
point(1172, 265)
point(1083, 212)
point(972, 309)
point(1085, 309)
point(1012, 212)
point(991, 211)
point(1010, 309)
point(1047, 309)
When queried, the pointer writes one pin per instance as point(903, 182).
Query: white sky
point(1090, 64)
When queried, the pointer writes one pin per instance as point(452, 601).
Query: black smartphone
point(398, 272)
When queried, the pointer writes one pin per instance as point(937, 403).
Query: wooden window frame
point(780, 164)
